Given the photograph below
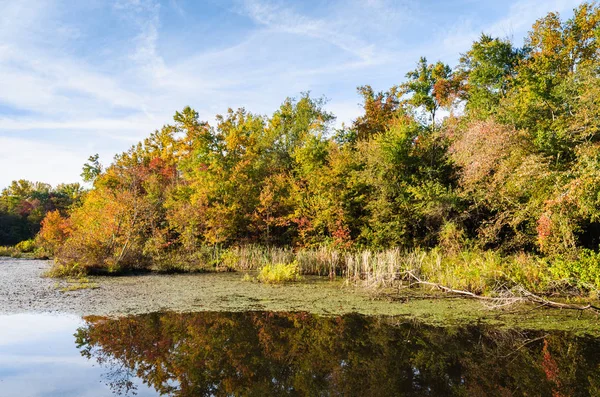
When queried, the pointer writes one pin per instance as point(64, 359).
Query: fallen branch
point(538, 299)
point(525, 296)
point(458, 291)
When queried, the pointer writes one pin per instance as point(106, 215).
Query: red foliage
point(156, 164)
point(551, 369)
point(341, 236)
point(544, 228)
point(26, 207)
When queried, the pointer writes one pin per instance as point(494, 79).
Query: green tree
point(428, 88)
point(92, 169)
point(486, 71)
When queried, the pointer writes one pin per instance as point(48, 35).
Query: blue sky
point(96, 76)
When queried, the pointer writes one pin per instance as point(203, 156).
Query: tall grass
point(203, 259)
point(255, 257)
point(320, 261)
point(480, 272)
point(477, 271)
point(379, 268)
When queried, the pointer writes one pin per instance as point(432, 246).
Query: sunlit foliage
point(512, 167)
point(24, 204)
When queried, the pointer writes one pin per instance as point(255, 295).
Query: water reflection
point(265, 354)
point(38, 358)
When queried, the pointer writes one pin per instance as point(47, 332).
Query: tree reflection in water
point(266, 354)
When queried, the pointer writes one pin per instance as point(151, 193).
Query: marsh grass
point(478, 271)
point(254, 257)
point(321, 261)
point(204, 258)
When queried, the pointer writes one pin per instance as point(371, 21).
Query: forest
point(480, 176)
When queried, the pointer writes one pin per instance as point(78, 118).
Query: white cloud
point(20, 328)
point(524, 13)
point(36, 161)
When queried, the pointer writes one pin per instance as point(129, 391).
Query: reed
point(254, 257)
point(321, 261)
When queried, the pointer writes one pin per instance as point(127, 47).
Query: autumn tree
point(379, 110)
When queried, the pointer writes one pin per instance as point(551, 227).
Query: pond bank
point(23, 289)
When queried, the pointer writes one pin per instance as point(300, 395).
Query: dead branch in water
point(543, 301)
point(524, 296)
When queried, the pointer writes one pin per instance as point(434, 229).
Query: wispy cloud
point(512, 25)
point(145, 16)
point(280, 17)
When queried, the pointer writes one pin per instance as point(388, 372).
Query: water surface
point(38, 357)
point(269, 353)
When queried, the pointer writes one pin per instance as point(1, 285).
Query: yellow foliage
point(279, 273)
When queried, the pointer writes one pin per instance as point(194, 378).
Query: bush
point(26, 246)
point(53, 233)
point(583, 273)
point(72, 270)
point(279, 273)
point(7, 251)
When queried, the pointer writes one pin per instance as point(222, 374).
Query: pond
point(286, 353)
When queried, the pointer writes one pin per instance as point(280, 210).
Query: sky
point(96, 76)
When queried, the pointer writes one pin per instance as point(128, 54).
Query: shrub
point(59, 270)
point(583, 273)
point(7, 251)
point(25, 246)
point(279, 273)
point(53, 233)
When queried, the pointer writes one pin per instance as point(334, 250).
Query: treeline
point(24, 204)
point(514, 167)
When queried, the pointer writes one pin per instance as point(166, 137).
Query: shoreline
point(24, 290)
